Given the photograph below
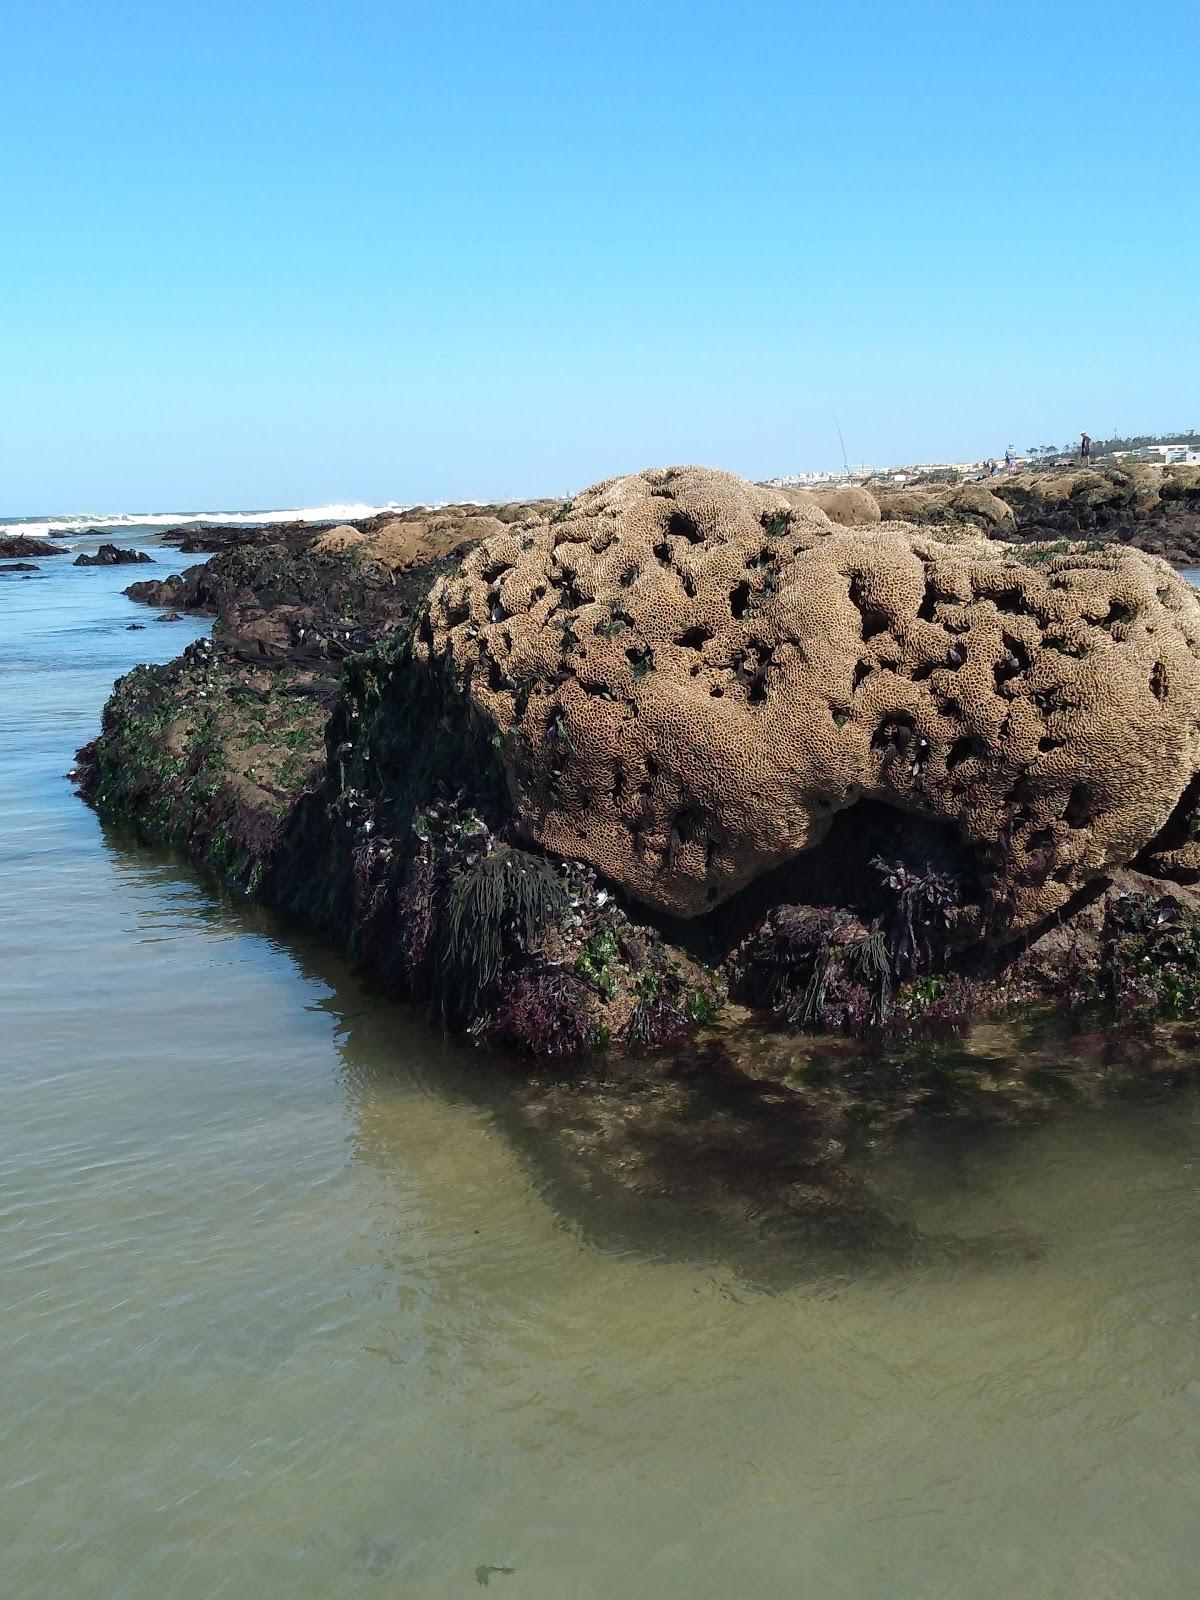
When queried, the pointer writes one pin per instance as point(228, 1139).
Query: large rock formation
point(688, 677)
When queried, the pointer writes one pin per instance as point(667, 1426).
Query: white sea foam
point(67, 527)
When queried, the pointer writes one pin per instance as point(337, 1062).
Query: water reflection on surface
point(300, 1299)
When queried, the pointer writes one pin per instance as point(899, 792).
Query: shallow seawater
point(299, 1300)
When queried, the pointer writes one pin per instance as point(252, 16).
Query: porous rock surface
point(688, 677)
point(970, 505)
point(849, 506)
point(399, 545)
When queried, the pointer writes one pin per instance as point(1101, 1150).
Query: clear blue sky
point(267, 253)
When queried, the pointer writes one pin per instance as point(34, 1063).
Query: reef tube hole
point(495, 570)
point(894, 733)
point(1158, 681)
point(1078, 811)
point(681, 526)
point(739, 600)
point(873, 619)
point(961, 750)
point(1011, 602)
point(694, 638)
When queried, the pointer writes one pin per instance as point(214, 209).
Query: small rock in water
point(111, 555)
point(18, 566)
point(483, 1574)
point(134, 627)
point(169, 616)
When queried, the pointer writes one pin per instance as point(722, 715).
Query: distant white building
point(1170, 455)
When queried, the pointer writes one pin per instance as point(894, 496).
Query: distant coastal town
point(1177, 449)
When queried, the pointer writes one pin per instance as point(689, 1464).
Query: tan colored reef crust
point(971, 504)
point(689, 676)
point(401, 544)
point(849, 507)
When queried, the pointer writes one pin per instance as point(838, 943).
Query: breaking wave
point(72, 526)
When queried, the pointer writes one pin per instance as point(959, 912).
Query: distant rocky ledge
point(1156, 509)
point(598, 776)
point(20, 546)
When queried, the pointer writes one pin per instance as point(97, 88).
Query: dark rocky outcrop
point(18, 546)
point(1156, 509)
point(18, 566)
point(111, 555)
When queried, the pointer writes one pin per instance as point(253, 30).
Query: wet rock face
point(689, 678)
point(111, 555)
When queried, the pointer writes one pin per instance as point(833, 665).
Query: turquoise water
point(299, 1300)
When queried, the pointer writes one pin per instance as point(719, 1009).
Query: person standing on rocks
point(1085, 450)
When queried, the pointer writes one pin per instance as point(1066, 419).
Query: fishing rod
point(842, 442)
